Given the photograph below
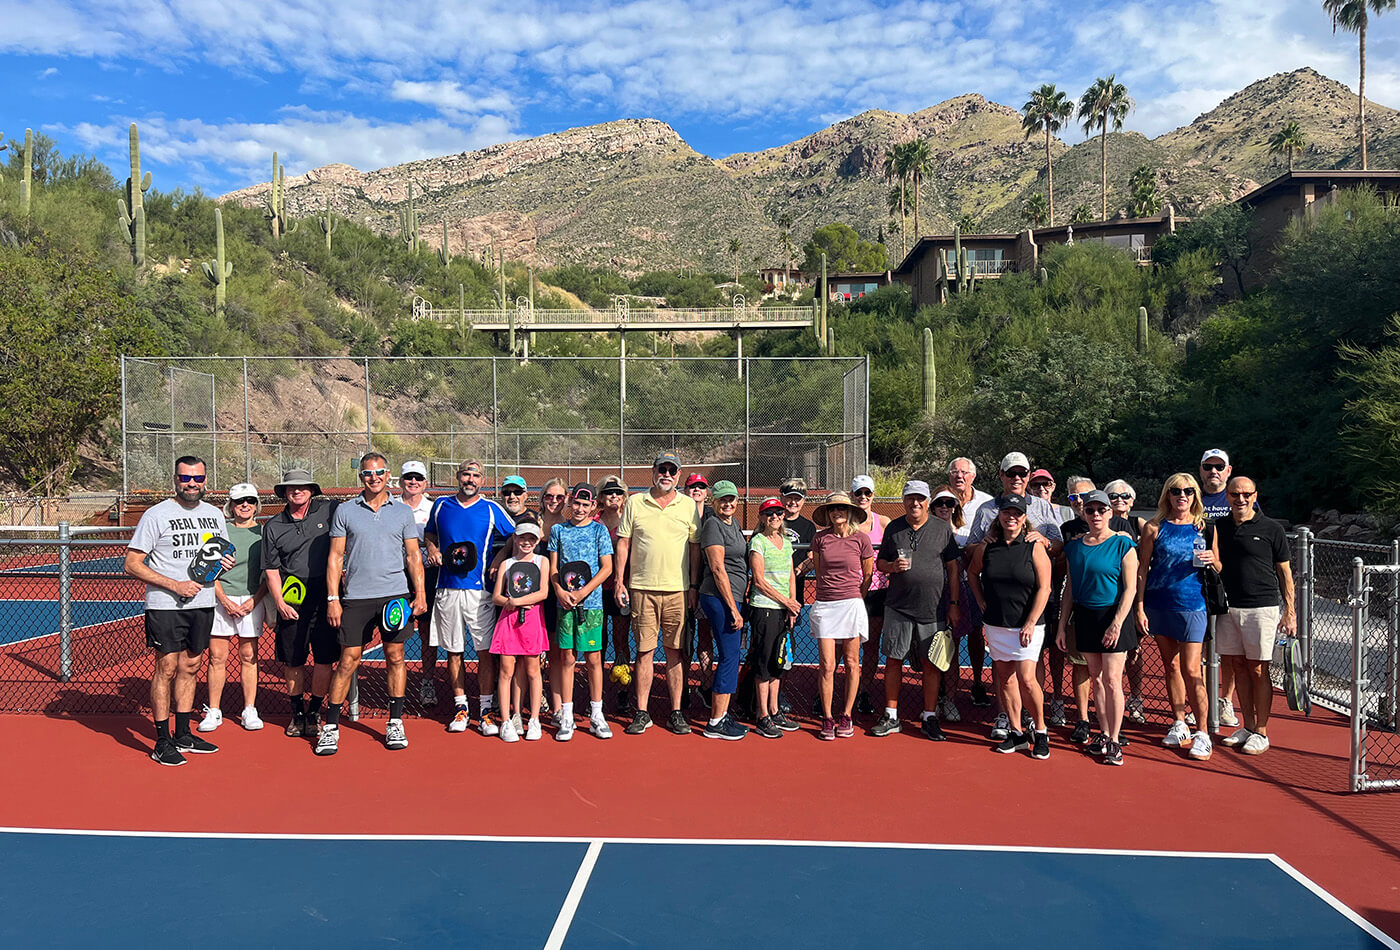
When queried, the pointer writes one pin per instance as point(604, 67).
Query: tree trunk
point(903, 238)
point(1049, 175)
point(916, 206)
point(1103, 166)
point(1361, 93)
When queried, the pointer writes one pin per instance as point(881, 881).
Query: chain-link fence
point(754, 421)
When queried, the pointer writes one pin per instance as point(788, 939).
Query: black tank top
point(1008, 582)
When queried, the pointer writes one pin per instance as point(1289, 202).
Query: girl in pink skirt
point(520, 632)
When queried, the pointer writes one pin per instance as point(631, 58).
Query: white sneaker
point(1227, 713)
point(1201, 747)
point(566, 729)
point(1177, 736)
point(394, 737)
point(1237, 738)
point(948, 710)
point(1057, 712)
point(460, 721)
point(328, 741)
point(1191, 719)
point(1002, 727)
point(1256, 744)
point(211, 721)
point(519, 726)
point(508, 733)
point(489, 724)
point(251, 720)
point(532, 732)
point(599, 727)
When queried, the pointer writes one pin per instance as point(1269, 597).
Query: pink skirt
point(513, 638)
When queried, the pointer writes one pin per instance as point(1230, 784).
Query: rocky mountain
point(633, 195)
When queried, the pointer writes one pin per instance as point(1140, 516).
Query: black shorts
point(610, 607)
point(179, 631)
point(1090, 624)
point(360, 619)
point(310, 634)
point(768, 633)
point(875, 604)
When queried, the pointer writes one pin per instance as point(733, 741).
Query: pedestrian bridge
point(522, 316)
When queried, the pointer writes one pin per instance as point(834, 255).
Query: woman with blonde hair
point(1171, 605)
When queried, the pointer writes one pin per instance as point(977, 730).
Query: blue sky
point(216, 85)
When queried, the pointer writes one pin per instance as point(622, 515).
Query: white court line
point(566, 913)
point(86, 626)
point(1335, 904)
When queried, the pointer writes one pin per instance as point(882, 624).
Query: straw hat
point(837, 499)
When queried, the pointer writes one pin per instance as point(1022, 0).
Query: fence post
point(495, 426)
point(369, 429)
point(1212, 678)
point(65, 605)
point(1357, 600)
point(1304, 598)
point(247, 439)
point(1390, 714)
point(353, 696)
point(748, 441)
point(126, 487)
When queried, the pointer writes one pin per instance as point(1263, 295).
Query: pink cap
point(1041, 473)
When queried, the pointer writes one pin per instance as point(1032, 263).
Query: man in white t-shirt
point(179, 611)
point(413, 479)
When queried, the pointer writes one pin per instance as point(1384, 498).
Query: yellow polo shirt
point(660, 538)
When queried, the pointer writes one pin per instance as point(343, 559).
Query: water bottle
point(1198, 547)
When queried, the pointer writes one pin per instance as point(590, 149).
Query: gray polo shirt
point(374, 547)
point(1039, 512)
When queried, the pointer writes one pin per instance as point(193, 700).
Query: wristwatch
point(332, 597)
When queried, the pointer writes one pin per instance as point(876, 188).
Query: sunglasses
point(773, 513)
point(613, 491)
point(865, 493)
point(1187, 492)
point(667, 470)
point(1016, 473)
point(513, 491)
point(373, 472)
point(1242, 494)
point(1042, 484)
point(555, 497)
point(197, 479)
point(1075, 495)
point(244, 501)
point(1119, 496)
point(1212, 467)
point(945, 503)
point(413, 478)
point(1098, 511)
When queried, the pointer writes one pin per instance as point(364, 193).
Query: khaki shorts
point(658, 615)
point(1248, 632)
point(459, 612)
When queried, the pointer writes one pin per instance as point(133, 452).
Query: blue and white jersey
point(464, 536)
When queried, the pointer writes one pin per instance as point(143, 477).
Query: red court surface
point(94, 774)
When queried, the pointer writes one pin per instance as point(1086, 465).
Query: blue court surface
point(119, 889)
point(22, 620)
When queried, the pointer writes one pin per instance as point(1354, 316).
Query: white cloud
point(450, 97)
point(51, 71)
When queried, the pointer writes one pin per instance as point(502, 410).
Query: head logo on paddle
point(207, 563)
point(575, 575)
point(522, 580)
point(396, 616)
point(294, 591)
point(459, 558)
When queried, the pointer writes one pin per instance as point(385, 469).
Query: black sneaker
point(1041, 747)
point(767, 729)
point(979, 695)
point(863, 704)
point(1113, 753)
point(297, 727)
point(885, 727)
point(1027, 723)
point(817, 708)
point(166, 754)
point(1124, 741)
point(1080, 735)
point(726, 728)
point(193, 744)
point(1014, 742)
point(784, 704)
point(677, 724)
point(641, 722)
point(624, 702)
point(312, 729)
point(1098, 745)
point(932, 729)
point(781, 720)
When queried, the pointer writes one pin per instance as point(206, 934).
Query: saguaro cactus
point(277, 200)
point(1142, 330)
point(444, 254)
point(218, 271)
point(930, 374)
point(133, 209)
point(327, 224)
point(959, 261)
point(408, 222)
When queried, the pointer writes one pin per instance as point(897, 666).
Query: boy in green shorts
point(580, 560)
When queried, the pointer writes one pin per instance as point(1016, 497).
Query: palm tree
point(1291, 138)
point(1143, 200)
point(1351, 15)
point(1104, 103)
point(785, 238)
point(1036, 210)
point(735, 246)
point(895, 170)
point(1081, 214)
point(918, 158)
point(1046, 111)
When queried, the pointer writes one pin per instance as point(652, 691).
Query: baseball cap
point(793, 486)
point(771, 503)
point(1015, 459)
point(243, 490)
point(666, 458)
point(862, 481)
point(917, 487)
point(583, 490)
point(514, 481)
point(1098, 495)
point(725, 489)
point(1012, 500)
point(1215, 454)
point(1042, 473)
point(612, 483)
point(696, 479)
point(413, 468)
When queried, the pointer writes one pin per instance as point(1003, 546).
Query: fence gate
point(1375, 656)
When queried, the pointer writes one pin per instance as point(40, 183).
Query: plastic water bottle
point(1198, 547)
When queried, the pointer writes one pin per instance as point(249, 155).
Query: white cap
point(862, 481)
point(243, 490)
point(916, 486)
point(1215, 454)
point(527, 527)
point(413, 468)
point(1014, 459)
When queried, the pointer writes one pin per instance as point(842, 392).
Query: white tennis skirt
point(1004, 643)
point(840, 619)
point(249, 625)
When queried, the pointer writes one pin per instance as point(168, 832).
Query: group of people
point(1013, 574)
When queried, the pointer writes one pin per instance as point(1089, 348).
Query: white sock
point(487, 701)
point(566, 710)
point(891, 712)
point(595, 709)
point(716, 722)
point(928, 714)
point(1179, 722)
point(461, 701)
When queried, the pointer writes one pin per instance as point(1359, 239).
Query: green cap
point(723, 489)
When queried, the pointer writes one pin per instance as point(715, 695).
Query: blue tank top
point(1173, 582)
point(1096, 571)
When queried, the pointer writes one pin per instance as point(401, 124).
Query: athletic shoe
point(508, 732)
point(461, 720)
point(566, 729)
point(1227, 713)
point(312, 728)
point(1001, 728)
point(518, 724)
point(1124, 741)
point(166, 754)
point(677, 724)
point(1080, 735)
point(726, 728)
point(188, 744)
point(1177, 736)
point(213, 718)
point(1040, 748)
point(1200, 747)
point(1256, 745)
point(250, 719)
point(948, 710)
point(532, 731)
point(885, 727)
point(427, 693)
point(641, 722)
point(1012, 743)
point(784, 704)
point(932, 729)
point(1191, 719)
point(781, 720)
point(1057, 712)
point(1027, 723)
point(490, 724)
point(979, 695)
point(297, 727)
point(844, 728)
point(599, 727)
point(1136, 713)
point(766, 729)
point(394, 737)
point(1098, 745)
point(624, 702)
point(828, 730)
point(1113, 754)
point(328, 741)
point(817, 707)
point(863, 704)
point(1237, 738)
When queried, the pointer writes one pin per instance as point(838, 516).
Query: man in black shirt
point(1254, 559)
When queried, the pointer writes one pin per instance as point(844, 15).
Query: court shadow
point(134, 733)
point(1385, 920)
